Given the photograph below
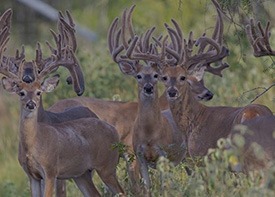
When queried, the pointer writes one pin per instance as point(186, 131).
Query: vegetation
point(244, 80)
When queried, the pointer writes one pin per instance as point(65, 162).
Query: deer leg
point(35, 187)
point(49, 186)
point(133, 173)
point(60, 188)
point(110, 179)
point(86, 185)
point(143, 169)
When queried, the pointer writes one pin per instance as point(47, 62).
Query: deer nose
point(208, 96)
point(172, 93)
point(31, 105)
point(148, 88)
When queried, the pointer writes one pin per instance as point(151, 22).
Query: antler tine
point(4, 38)
point(68, 31)
point(113, 41)
point(123, 29)
point(158, 40)
point(5, 24)
point(39, 57)
point(126, 24)
point(218, 31)
point(144, 43)
point(176, 48)
point(260, 43)
point(110, 36)
point(217, 37)
point(5, 19)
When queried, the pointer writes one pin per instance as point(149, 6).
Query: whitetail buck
point(261, 130)
point(66, 33)
point(202, 125)
point(34, 155)
point(63, 150)
point(153, 133)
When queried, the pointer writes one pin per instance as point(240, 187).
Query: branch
point(262, 93)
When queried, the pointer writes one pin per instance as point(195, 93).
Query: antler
point(5, 24)
point(181, 49)
point(136, 47)
point(63, 54)
point(259, 39)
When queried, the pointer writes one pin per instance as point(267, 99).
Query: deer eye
point(164, 78)
point(182, 78)
point(21, 93)
point(38, 93)
point(139, 76)
point(156, 76)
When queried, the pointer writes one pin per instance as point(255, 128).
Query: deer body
point(260, 131)
point(153, 135)
point(51, 151)
point(57, 146)
point(203, 125)
point(70, 147)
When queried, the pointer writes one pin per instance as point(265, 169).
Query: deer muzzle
point(148, 89)
point(31, 105)
point(172, 93)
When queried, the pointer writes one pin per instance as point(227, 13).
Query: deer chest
point(32, 166)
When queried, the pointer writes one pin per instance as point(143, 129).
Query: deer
point(62, 150)
point(259, 130)
point(154, 135)
point(202, 125)
point(11, 64)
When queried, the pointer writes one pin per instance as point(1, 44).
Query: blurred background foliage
point(245, 79)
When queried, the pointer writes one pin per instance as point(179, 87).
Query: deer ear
point(198, 72)
point(127, 68)
point(10, 85)
point(50, 84)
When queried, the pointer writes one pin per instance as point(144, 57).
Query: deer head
point(62, 55)
point(27, 78)
point(29, 93)
point(141, 57)
point(184, 66)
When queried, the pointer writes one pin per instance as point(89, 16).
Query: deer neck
point(163, 103)
point(148, 109)
point(186, 109)
point(28, 128)
point(41, 111)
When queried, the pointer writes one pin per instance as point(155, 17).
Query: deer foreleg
point(35, 187)
point(143, 168)
point(133, 172)
point(86, 185)
point(49, 186)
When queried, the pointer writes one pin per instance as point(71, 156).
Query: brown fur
point(64, 150)
point(203, 125)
